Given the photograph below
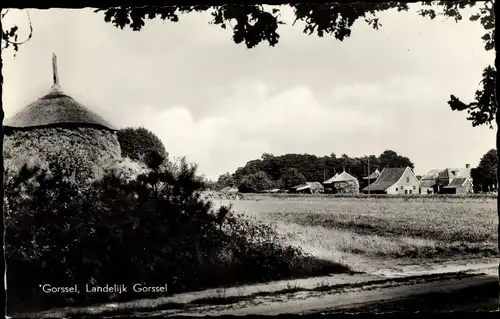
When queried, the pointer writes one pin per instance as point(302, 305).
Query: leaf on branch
point(456, 104)
point(427, 13)
point(474, 17)
point(486, 37)
point(484, 108)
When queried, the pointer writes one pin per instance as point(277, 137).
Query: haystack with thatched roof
point(57, 129)
point(343, 183)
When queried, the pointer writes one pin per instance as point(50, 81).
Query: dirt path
point(353, 296)
point(341, 292)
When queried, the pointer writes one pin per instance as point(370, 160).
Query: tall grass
point(353, 229)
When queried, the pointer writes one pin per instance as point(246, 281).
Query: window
point(396, 189)
point(410, 191)
point(414, 187)
point(402, 187)
point(407, 179)
point(406, 191)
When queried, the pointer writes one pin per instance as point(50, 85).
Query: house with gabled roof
point(435, 181)
point(394, 180)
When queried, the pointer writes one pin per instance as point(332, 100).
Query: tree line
point(289, 170)
point(485, 175)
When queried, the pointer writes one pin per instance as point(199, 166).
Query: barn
point(56, 129)
point(435, 181)
point(394, 180)
point(458, 185)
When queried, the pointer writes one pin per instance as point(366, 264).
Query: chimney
point(467, 165)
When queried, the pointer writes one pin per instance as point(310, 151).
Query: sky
point(221, 104)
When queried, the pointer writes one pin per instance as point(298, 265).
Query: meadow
point(368, 233)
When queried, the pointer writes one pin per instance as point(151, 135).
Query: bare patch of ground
point(433, 292)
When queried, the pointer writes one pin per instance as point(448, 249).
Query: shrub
point(152, 229)
point(256, 182)
point(136, 143)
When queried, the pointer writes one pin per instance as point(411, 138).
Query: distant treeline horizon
point(288, 170)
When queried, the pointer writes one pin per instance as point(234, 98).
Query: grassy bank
point(416, 228)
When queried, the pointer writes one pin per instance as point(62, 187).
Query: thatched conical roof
point(55, 109)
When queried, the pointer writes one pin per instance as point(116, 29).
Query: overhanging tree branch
point(10, 36)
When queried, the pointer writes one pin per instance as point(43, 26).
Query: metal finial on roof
point(55, 75)
point(54, 68)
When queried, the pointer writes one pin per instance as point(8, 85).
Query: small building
point(394, 180)
point(458, 185)
point(428, 182)
point(343, 183)
point(308, 188)
point(272, 191)
point(435, 180)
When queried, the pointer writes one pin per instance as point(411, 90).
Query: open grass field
point(363, 233)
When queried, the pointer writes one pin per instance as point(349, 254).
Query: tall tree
point(256, 182)
point(487, 170)
point(291, 177)
point(392, 159)
point(224, 180)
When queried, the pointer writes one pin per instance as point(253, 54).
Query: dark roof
point(427, 183)
point(456, 182)
point(55, 108)
point(445, 174)
point(387, 178)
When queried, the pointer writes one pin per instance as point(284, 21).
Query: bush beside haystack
point(125, 169)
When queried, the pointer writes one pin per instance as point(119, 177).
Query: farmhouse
point(57, 129)
point(446, 181)
point(343, 183)
point(308, 188)
point(394, 180)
